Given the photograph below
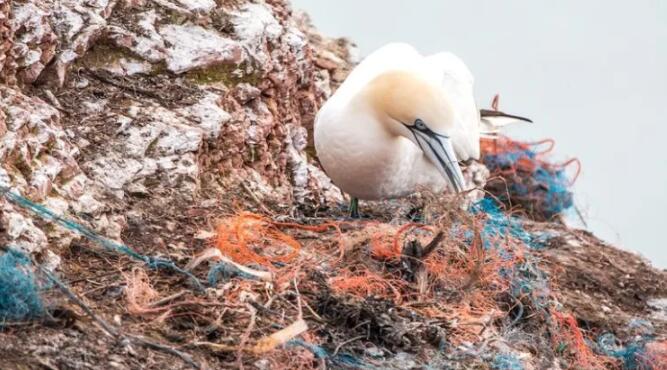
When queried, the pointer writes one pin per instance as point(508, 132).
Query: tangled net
point(522, 176)
point(20, 289)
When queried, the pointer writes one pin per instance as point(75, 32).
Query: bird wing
point(457, 82)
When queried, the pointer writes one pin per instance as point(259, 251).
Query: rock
point(194, 47)
point(223, 91)
point(38, 162)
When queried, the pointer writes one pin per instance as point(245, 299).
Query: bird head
point(410, 106)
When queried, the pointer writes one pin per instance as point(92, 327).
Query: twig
point(167, 299)
point(110, 329)
point(246, 336)
point(216, 254)
point(256, 199)
point(166, 349)
point(430, 247)
point(108, 273)
point(72, 297)
point(217, 346)
point(310, 309)
point(581, 216)
point(476, 271)
point(298, 300)
point(173, 7)
point(102, 78)
point(335, 352)
point(280, 337)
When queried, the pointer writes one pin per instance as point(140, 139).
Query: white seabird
point(401, 121)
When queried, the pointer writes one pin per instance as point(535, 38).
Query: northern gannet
point(399, 122)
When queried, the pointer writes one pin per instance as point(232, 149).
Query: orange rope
point(504, 144)
point(570, 335)
point(238, 237)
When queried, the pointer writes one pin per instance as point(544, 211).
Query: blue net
point(226, 271)
point(528, 283)
point(20, 291)
point(343, 359)
point(506, 362)
point(499, 225)
point(633, 355)
point(47, 214)
point(539, 187)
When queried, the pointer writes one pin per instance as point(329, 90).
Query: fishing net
point(640, 353)
point(20, 289)
point(523, 176)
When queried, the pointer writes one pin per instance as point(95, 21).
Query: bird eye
point(419, 124)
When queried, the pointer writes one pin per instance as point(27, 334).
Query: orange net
point(569, 341)
point(366, 284)
point(251, 238)
point(460, 281)
point(523, 175)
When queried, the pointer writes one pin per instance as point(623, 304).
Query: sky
point(591, 74)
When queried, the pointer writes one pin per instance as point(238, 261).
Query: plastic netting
point(523, 176)
point(110, 245)
point(506, 362)
point(642, 353)
point(20, 289)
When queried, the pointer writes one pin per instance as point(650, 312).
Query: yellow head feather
point(404, 96)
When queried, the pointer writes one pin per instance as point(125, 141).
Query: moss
point(228, 74)
point(228, 3)
point(49, 146)
point(46, 152)
point(171, 16)
point(105, 55)
point(152, 148)
point(159, 68)
point(174, 17)
point(49, 228)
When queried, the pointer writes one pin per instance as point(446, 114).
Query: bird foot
point(354, 208)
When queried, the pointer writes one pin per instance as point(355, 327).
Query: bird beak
point(501, 117)
point(492, 120)
point(486, 113)
point(438, 148)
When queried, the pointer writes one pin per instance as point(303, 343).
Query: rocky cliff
point(150, 121)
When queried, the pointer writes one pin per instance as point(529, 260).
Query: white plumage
point(400, 121)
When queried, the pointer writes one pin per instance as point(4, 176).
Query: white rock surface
point(195, 47)
point(122, 140)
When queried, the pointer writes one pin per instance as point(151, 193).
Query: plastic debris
point(47, 214)
point(641, 353)
point(524, 177)
point(506, 362)
point(20, 289)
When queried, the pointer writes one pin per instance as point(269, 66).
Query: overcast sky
point(591, 74)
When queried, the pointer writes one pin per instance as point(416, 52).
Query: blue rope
point(321, 353)
point(551, 185)
point(631, 354)
point(228, 271)
point(20, 297)
point(47, 214)
point(506, 362)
